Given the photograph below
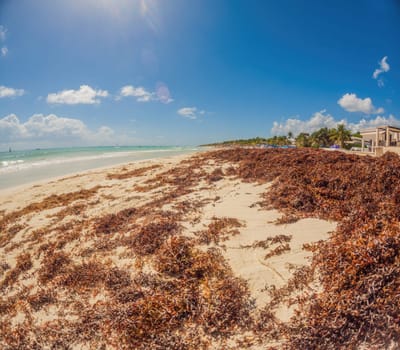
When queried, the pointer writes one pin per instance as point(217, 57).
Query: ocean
point(23, 167)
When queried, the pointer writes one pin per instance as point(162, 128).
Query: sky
point(190, 72)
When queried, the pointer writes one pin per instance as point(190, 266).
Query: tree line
point(324, 137)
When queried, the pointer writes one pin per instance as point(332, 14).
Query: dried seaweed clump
point(147, 312)
point(181, 179)
point(220, 303)
point(117, 279)
point(266, 243)
point(216, 175)
point(41, 298)
point(141, 322)
point(83, 277)
point(287, 219)
point(75, 209)
point(151, 236)
point(175, 256)
point(8, 234)
point(24, 263)
point(359, 305)
point(220, 229)
point(226, 305)
point(54, 263)
point(178, 257)
point(282, 242)
point(133, 173)
point(279, 250)
point(49, 202)
point(112, 223)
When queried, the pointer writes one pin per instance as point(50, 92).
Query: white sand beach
point(35, 230)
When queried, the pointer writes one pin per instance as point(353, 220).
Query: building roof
point(382, 127)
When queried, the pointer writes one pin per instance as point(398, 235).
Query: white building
point(381, 139)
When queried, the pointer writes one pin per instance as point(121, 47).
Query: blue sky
point(186, 72)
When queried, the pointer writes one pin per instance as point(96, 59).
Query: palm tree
point(289, 138)
point(303, 140)
point(321, 138)
point(341, 134)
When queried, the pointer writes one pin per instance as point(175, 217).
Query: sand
point(228, 197)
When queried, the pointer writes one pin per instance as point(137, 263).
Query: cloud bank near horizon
point(322, 119)
point(49, 130)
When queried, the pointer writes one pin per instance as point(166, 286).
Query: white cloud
point(371, 123)
point(3, 32)
point(140, 93)
point(190, 112)
point(51, 130)
point(317, 121)
point(3, 49)
point(11, 128)
point(85, 95)
point(351, 103)
point(321, 120)
point(40, 125)
point(10, 92)
point(161, 94)
point(383, 68)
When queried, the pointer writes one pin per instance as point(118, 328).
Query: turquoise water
point(22, 167)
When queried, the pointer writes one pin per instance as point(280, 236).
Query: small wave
point(7, 163)
point(10, 166)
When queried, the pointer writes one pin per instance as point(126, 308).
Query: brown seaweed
point(133, 173)
point(220, 229)
point(191, 299)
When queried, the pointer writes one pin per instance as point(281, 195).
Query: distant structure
point(9, 149)
point(380, 140)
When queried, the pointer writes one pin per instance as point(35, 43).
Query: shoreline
point(89, 171)
point(49, 178)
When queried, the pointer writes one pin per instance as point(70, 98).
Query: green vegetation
point(241, 142)
point(340, 135)
point(323, 137)
point(275, 140)
point(303, 140)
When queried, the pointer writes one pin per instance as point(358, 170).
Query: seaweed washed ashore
point(145, 256)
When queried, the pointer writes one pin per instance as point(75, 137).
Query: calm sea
point(22, 167)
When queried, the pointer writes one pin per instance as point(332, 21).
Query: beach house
point(381, 139)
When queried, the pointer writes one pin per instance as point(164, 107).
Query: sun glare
point(123, 10)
